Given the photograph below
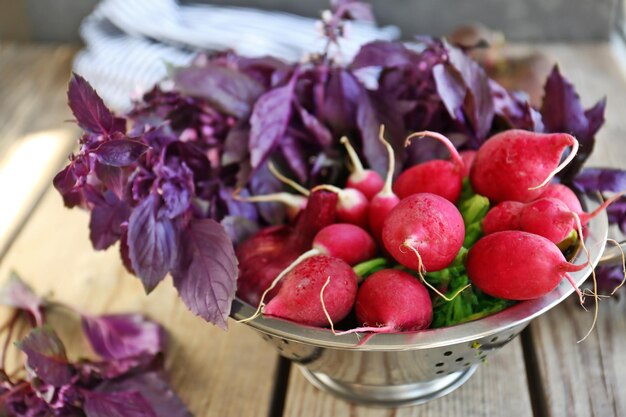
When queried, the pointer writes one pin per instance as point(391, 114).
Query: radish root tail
point(421, 271)
point(299, 260)
point(558, 169)
point(441, 138)
point(392, 161)
point(384, 329)
point(275, 172)
point(357, 166)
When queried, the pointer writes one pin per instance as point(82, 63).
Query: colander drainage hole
point(459, 359)
point(447, 353)
point(495, 339)
point(466, 364)
point(440, 364)
point(439, 372)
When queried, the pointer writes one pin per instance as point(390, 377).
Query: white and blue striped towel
point(129, 42)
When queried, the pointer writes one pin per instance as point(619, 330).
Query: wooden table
point(543, 373)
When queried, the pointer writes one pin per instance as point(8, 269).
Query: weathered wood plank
point(498, 388)
point(587, 379)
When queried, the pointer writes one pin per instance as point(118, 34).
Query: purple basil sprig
point(128, 380)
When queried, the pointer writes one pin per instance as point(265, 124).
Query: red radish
point(424, 232)
point(468, 159)
point(516, 265)
point(565, 194)
point(263, 256)
point(443, 178)
point(299, 296)
point(394, 300)
point(383, 202)
point(352, 205)
point(367, 181)
point(343, 241)
point(504, 216)
point(516, 165)
point(294, 203)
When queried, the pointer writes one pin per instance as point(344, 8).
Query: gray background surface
point(547, 20)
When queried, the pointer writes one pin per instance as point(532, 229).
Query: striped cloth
point(130, 43)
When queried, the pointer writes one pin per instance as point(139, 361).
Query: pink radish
point(424, 232)
point(395, 301)
point(352, 205)
point(383, 202)
point(443, 178)
point(504, 216)
point(343, 241)
point(516, 165)
point(367, 181)
point(299, 296)
point(468, 159)
point(565, 194)
point(263, 256)
point(516, 265)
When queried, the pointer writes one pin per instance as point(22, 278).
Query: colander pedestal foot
point(390, 395)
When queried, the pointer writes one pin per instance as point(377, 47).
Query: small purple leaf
point(383, 54)
point(239, 228)
point(207, 284)
point(120, 152)
point(230, 90)
point(320, 132)
point(90, 111)
point(341, 100)
point(592, 180)
point(269, 120)
point(105, 223)
point(152, 242)
point(117, 404)
point(46, 356)
point(154, 389)
point(120, 336)
point(16, 293)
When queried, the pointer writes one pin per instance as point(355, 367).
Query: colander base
point(390, 396)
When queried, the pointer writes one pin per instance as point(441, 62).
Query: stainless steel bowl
point(392, 370)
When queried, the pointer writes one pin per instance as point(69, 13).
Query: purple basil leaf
point(117, 404)
point(236, 145)
point(617, 213)
point(263, 182)
point(120, 152)
point(562, 110)
point(152, 242)
point(296, 158)
point(350, 9)
point(239, 228)
point(595, 117)
point(229, 90)
point(450, 88)
point(112, 178)
point(46, 356)
point(320, 132)
point(176, 185)
point(383, 54)
point(105, 224)
point(269, 120)
point(207, 283)
point(591, 180)
point(154, 389)
point(608, 278)
point(89, 110)
point(16, 293)
point(341, 100)
point(478, 103)
point(120, 336)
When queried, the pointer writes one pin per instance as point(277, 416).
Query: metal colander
point(410, 368)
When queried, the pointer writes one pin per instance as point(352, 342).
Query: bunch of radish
point(371, 256)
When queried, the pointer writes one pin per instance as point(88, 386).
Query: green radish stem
point(367, 267)
point(421, 271)
point(287, 181)
point(259, 310)
point(384, 329)
point(441, 138)
point(357, 166)
point(558, 169)
point(392, 164)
